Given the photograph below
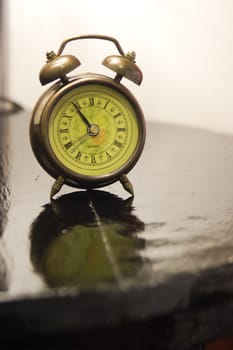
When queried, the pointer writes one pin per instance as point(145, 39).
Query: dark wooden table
point(98, 268)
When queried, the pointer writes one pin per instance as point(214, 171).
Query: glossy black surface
point(98, 265)
point(4, 199)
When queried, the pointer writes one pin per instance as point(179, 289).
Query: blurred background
point(184, 48)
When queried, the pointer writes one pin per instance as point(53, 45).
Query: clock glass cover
point(93, 131)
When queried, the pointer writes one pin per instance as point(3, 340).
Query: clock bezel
point(39, 132)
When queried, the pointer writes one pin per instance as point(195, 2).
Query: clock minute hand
point(84, 119)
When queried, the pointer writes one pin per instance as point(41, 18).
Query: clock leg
point(127, 184)
point(57, 186)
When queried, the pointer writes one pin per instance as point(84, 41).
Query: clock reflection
point(87, 239)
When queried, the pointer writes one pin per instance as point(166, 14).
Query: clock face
point(93, 131)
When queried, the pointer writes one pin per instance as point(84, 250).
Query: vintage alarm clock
point(88, 131)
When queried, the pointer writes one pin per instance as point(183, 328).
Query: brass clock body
point(87, 131)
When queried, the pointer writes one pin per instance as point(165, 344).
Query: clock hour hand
point(84, 119)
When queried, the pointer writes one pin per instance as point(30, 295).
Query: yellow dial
point(93, 130)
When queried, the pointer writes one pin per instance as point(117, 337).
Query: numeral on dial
point(93, 159)
point(117, 143)
point(68, 145)
point(78, 155)
point(91, 100)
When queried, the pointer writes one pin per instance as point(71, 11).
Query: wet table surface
point(96, 266)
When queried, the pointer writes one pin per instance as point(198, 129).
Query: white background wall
point(184, 48)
